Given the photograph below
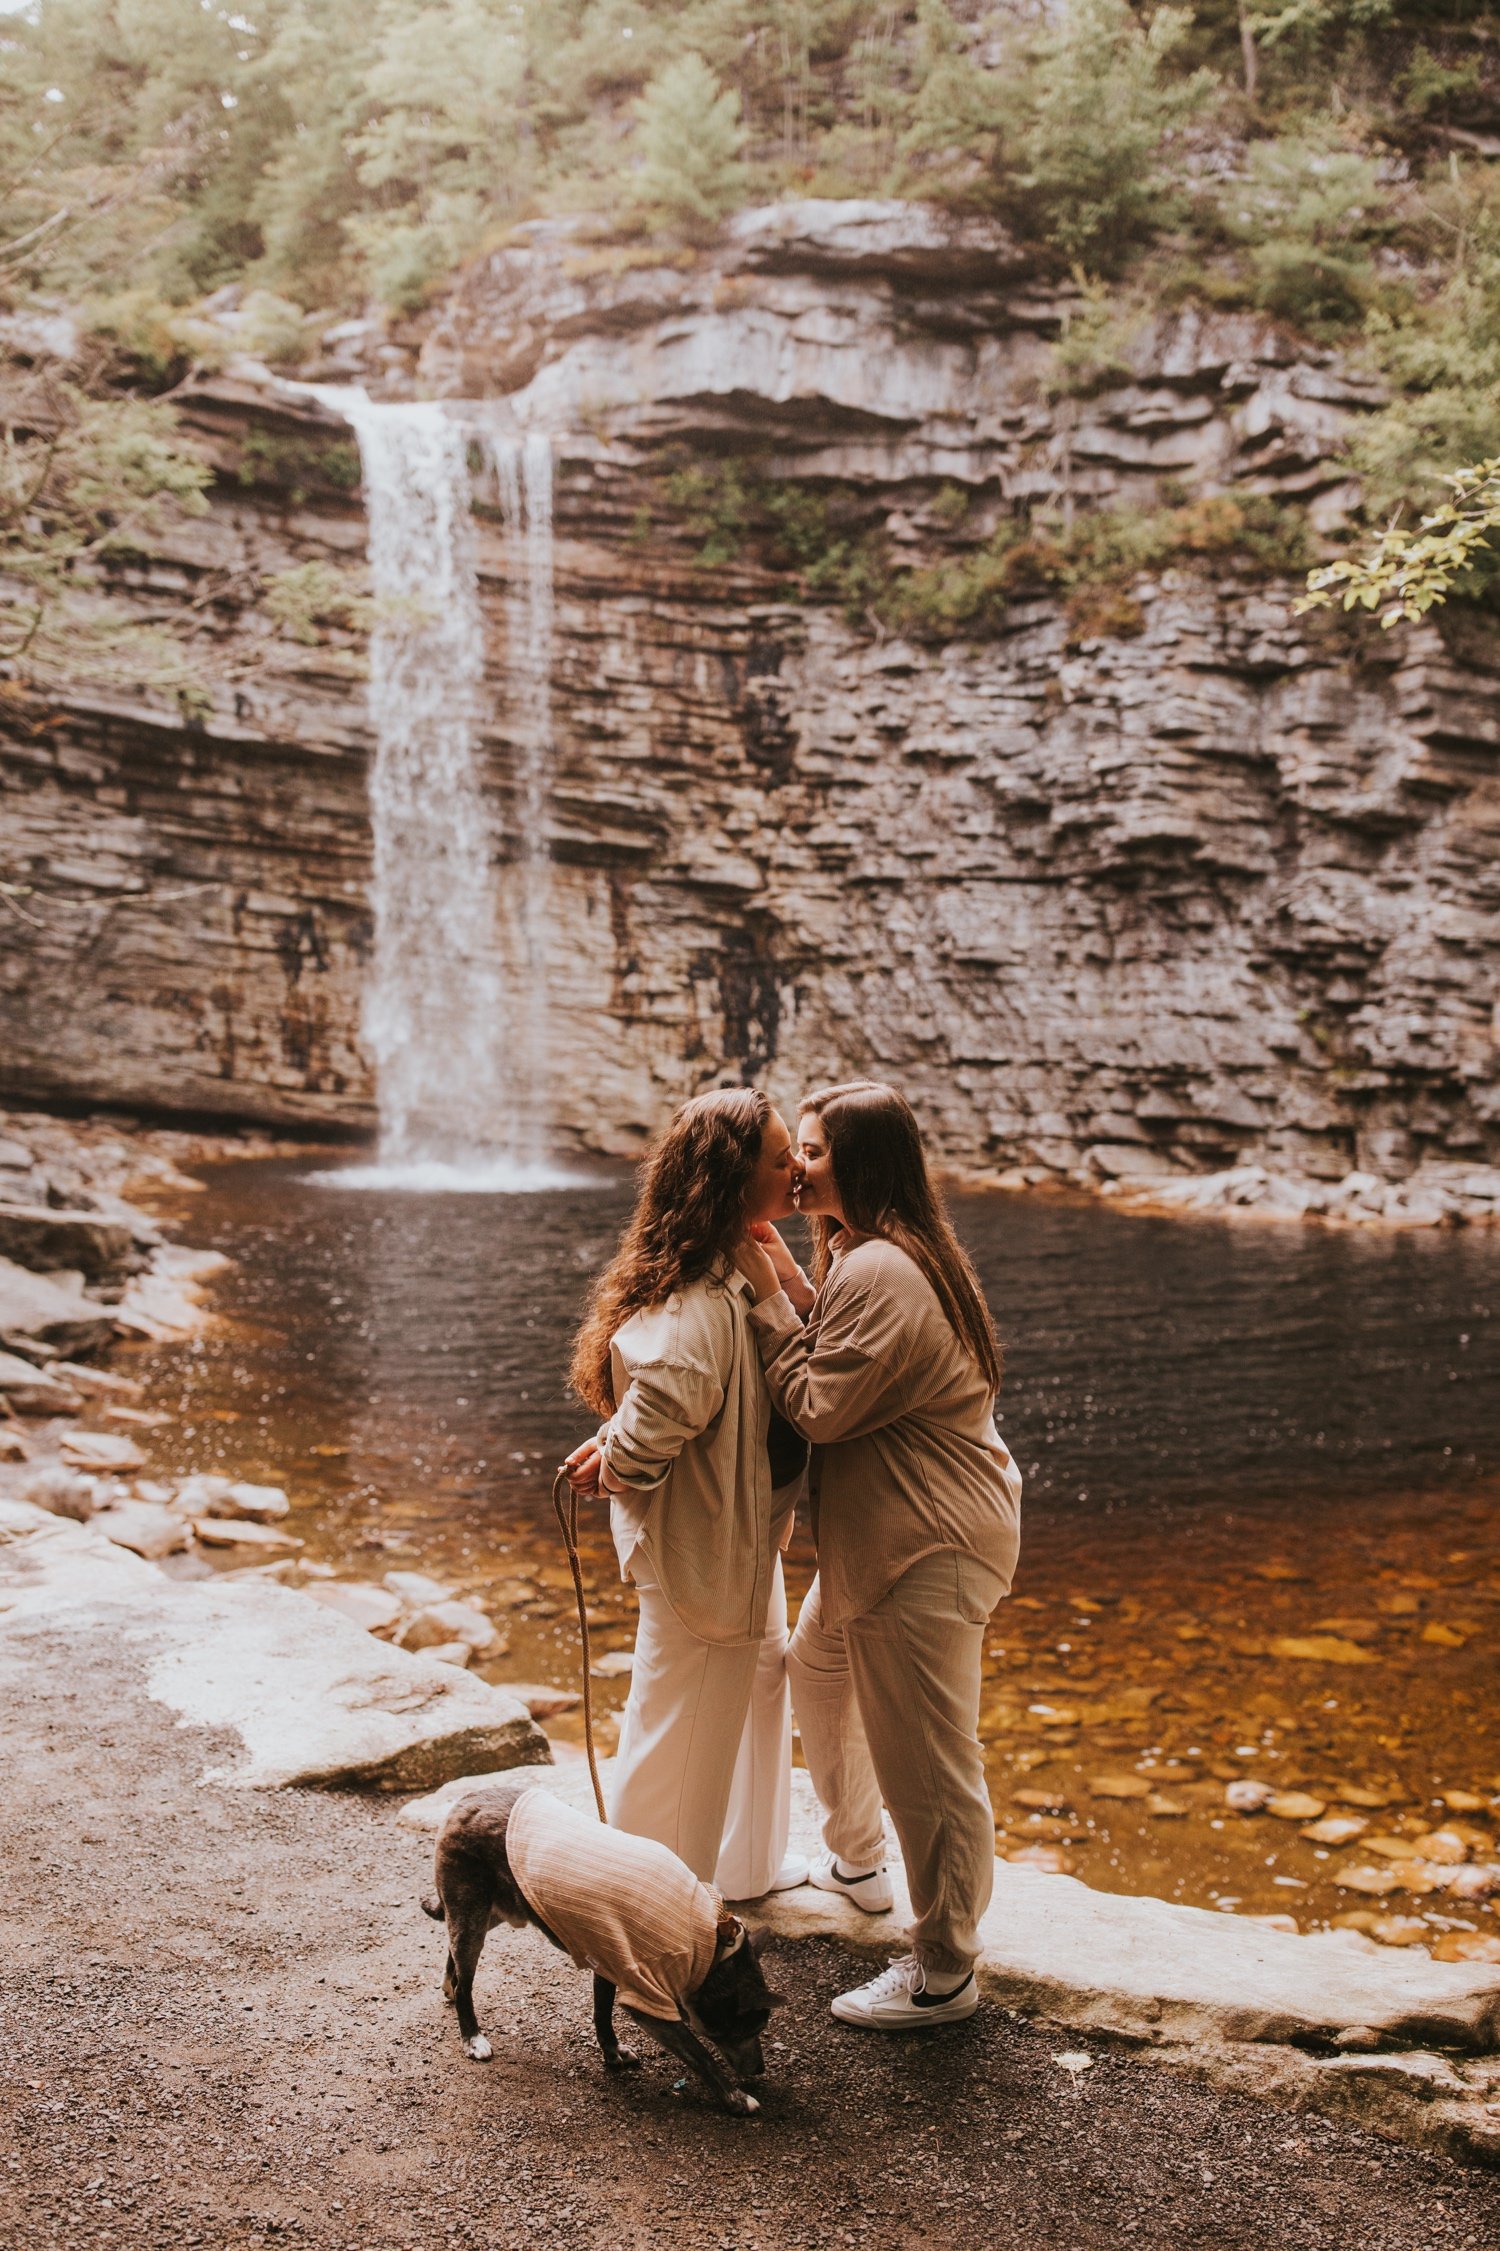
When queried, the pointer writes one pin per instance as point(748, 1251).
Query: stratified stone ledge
point(313, 1699)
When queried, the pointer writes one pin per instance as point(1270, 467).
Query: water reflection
point(1239, 1443)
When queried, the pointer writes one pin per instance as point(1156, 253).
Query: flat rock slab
point(1106, 1961)
point(1229, 1999)
point(51, 1308)
point(42, 1238)
point(312, 1699)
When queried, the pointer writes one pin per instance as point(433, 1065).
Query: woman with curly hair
point(701, 1489)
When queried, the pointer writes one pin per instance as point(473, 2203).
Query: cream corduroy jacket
point(688, 1441)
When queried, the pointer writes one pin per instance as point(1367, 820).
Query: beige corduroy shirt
point(906, 1457)
point(688, 1442)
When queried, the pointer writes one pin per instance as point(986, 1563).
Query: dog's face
point(733, 2005)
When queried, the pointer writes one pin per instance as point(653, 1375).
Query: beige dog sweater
point(623, 1906)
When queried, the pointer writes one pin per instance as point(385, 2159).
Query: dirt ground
point(220, 2025)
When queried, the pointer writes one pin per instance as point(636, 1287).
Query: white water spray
point(523, 473)
point(461, 1104)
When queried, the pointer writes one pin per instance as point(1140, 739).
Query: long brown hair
point(880, 1171)
point(689, 1214)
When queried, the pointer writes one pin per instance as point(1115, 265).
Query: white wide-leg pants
point(704, 1763)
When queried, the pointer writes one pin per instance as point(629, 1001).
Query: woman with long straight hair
point(701, 1489)
point(892, 1375)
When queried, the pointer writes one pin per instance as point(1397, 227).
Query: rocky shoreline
point(328, 1682)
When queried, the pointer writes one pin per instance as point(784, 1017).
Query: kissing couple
point(718, 1364)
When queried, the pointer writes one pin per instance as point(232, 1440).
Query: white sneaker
point(792, 1874)
point(869, 1888)
point(898, 2000)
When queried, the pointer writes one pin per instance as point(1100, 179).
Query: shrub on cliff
point(690, 136)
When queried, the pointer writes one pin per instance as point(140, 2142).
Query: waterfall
point(523, 474)
point(458, 1046)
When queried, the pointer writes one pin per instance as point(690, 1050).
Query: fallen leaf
point(1320, 1649)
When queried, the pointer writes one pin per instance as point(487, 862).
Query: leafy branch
point(1413, 572)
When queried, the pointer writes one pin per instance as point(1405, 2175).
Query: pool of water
point(1233, 1436)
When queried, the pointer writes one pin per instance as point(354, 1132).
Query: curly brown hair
point(880, 1170)
point(689, 1214)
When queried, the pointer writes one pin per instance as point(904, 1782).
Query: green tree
point(690, 136)
point(1097, 103)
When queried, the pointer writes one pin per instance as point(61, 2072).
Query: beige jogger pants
point(889, 1708)
point(705, 1757)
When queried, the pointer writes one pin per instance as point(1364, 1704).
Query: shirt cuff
point(776, 1317)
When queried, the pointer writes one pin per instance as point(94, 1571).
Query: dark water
point(1154, 1365)
point(1261, 1469)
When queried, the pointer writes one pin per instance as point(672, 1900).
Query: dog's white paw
point(743, 2105)
point(478, 2048)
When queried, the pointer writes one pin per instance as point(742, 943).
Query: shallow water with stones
point(1261, 1532)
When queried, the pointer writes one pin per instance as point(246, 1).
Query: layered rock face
point(1227, 889)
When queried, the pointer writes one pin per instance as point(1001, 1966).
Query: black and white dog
point(477, 1888)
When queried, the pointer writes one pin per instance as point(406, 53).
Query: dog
point(622, 1902)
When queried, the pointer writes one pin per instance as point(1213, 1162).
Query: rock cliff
point(1225, 889)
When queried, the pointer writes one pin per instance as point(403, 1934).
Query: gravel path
point(220, 2025)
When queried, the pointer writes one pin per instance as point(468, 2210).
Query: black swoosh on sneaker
point(867, 1878)
point(925, 2000)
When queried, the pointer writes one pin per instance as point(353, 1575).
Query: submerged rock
point(143, 1527)
point(450, 1621)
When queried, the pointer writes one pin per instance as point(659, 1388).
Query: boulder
point(35, 1391)
point(414, 1590)
point(306, 1697)
point(261, 1503)
point(102, 1450)
point(50, 1309)
point(239, 1532)
point(36, 1236)
point(450, 1621)
point(370, 1607)
point(96, 1383)
point(143, 1527)
point(60, 1490)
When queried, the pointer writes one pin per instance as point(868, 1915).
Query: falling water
point(523, 473)
point(460, 1100)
